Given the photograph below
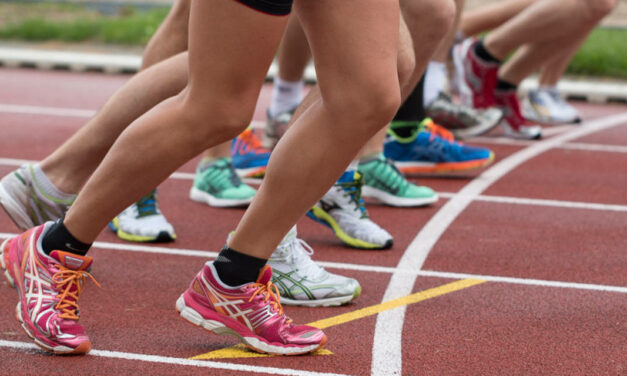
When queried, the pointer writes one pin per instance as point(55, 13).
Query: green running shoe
point(217, 184)
point(384, 182)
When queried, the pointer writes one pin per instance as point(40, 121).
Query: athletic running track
point(520, 269)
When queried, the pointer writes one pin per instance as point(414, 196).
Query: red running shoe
point(251, 312)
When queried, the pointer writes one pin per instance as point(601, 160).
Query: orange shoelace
point(271, 295)
point(438, 130)
point(66, 279)
point(251, 139)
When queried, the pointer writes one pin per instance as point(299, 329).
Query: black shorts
point(274, 7)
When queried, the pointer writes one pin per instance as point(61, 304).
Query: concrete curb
point(596, 91)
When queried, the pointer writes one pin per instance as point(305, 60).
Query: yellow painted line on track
point(241, 351)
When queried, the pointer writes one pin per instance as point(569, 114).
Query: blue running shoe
point(430, 148)
point(248, 155)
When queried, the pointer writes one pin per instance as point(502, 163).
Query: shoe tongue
point(71, 260)
point(265, 275)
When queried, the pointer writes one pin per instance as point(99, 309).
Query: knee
point(371, 105)
point(214, 120)
point(597, 9)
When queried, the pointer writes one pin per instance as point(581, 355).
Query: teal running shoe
point(384, 182)
point(217, 184)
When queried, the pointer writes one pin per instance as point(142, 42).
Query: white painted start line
point(179, 361)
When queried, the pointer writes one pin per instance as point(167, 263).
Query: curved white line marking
point(387, 348)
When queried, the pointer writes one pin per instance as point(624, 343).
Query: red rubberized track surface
point(560, 215)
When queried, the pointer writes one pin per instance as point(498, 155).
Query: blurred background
point(124, 26)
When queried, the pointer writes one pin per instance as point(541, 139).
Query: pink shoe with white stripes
point(48, 289)
point(251, 312)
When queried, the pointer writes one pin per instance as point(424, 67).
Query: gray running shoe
point(276, 127)
point(302, 282)
point(546, 106)
point(24, 201)
point(464, 122)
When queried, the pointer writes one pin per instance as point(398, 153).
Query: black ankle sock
point(58, 238)
point(412, 109)
point(235, 268)
point(505, 86)
point(484, 54)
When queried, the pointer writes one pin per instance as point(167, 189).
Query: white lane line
point(49, 111)
point(571, 145)
point(107, 247)
point(595, 147)
point(387, 346)
point(542, 202)
point(179, 361)
point(496, 199)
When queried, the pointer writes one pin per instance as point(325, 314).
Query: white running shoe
point(343, 210)
point(143, 222)
point(302, 282)
point(26, 203)
point(546, 106)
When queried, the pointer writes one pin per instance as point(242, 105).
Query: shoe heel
point(7, 275)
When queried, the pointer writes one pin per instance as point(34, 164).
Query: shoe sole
point(7, 275)
point(81, 349)
point(162, 237)
point(324, 218)
point(15, 210)
point(328, 302)
point(413, 168)
point(193, 317)
point(205, 198)
point(251, 173)
point(390, 199)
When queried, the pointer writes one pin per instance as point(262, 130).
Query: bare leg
point(544, 21)
point(491, 16)
point(171, 36)
point(223, 89)
point(325, 138)
point(294, 52)
point(69, 166)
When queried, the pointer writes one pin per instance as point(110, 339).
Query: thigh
point(353, 42)
point(231, 47)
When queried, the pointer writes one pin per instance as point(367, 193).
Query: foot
point(514, 124)
point(546, 106)
point(48, 288)
point(217, 184)
point(343, 210)
point(143, 222)
point(428, 148)
point(26, 203)
point(302, 282)
point(276, 127)
point(476, 78)
point(251, 312)
point(250, 158)
point(463, 121)
point(384, 182)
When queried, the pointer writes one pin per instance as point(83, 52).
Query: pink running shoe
point(514, 124)
point(48, 289)
point(476, 79)
point(251, 312)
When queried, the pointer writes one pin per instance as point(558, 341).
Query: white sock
point(286, 95)
point(435, 80)
point(44, 185)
